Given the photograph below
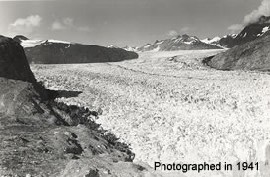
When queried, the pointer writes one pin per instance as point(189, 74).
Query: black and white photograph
point(134, 88)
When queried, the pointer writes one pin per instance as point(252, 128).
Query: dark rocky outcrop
point(19, 38)
point(13, 62)
point(253, 55)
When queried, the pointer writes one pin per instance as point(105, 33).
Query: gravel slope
point(172, 108)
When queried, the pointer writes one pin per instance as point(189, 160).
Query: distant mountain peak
point(179, 42)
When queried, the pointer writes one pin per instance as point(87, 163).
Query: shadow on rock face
point(67, 94)
point(62, 93)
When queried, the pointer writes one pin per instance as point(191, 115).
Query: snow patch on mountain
point(211, 41)
point(130, 48)
point(265, 29)
point(33, 43)
point(112, 46)
point(57, 41)
point(147, 45)
point(230, 35)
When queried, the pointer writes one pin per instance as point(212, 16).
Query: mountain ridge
point(180, 42)
point(62, 52)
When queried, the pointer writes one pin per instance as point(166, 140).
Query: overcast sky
point(122, 22)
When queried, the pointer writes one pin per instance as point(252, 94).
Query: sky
point(124, 22)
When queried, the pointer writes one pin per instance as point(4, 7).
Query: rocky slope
point(60, 52)
point(40, 137)
point(253, 55)
point(184, 42)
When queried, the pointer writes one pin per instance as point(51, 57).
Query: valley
point(170, 107)
point(126, 88)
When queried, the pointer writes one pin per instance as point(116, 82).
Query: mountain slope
point(254, 55)
point(61, 52)
point(183, 42)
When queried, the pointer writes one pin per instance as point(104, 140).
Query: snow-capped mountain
point(253, 31)
point(180, 42)
point(62, 52)
point(223, 42)
point(249, 33)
